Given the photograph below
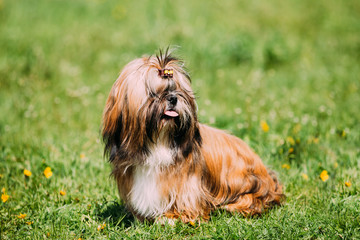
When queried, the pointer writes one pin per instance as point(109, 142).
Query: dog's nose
point(172, 99)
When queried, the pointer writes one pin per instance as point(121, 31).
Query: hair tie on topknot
point(166, 73)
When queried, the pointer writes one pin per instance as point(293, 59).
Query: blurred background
point(249, 60)
point(283, 75)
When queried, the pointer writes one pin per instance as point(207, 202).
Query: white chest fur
point(145, 197)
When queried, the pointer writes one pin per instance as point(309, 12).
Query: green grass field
point(282, 75)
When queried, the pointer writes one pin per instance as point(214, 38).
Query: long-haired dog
point(167, 164)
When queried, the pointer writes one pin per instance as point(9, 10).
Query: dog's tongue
point(171, 113)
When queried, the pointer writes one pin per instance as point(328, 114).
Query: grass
point(293, 64)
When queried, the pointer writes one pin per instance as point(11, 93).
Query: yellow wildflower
point(29, 223)
point(290, 140)
point(336, 165)
point(62, 193)
point(264, 126)
point(286, 166)
point(291, 150)
point(27, 173)
point(192, 223)
point(324, 176)
point(82, 156)
point(4, 197)
point(21, 216)
point(47, 172)
point(305, 176)
point(343, 133)
point(101, 226)
point(348, 184)
point(3, 190)
point(316, 140)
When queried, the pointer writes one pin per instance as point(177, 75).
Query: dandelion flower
point(101, 226)
point(316, 140)
point(29, 223)
point(305, 176)
point(47, 172)
point(264, 126)
point(62, 193)
point(286, 166)
point(27, 173)
point(290, 140)
point(4, 197)
point(348, 184)
point(3, 190)
point(192, 223)
point(291, 150)
point(324, 176)
point(21, 216)
point(343, 133)
point(82, 156)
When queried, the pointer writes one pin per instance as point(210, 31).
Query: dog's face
point(168, 106)
point(145, 106)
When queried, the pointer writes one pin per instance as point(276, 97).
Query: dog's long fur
point(174, 166)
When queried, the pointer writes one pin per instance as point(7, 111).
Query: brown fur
point(209, 169)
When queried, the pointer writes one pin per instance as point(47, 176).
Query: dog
point(168, 165)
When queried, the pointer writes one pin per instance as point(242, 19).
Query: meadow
point(282, 75)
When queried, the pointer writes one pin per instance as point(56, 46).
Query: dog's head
point(150, 103)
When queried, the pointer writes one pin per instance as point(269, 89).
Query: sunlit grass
point(282, 75)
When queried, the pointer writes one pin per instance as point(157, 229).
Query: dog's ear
point(112, 119)
point(121, 127)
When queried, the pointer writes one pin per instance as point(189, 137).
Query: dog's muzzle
point(171, 104)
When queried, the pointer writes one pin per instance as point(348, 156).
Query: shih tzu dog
point(168, 165)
